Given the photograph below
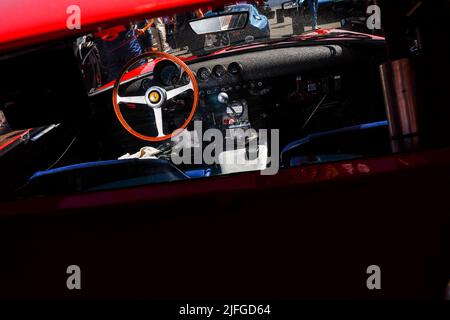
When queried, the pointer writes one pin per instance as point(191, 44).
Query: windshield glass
point(192, 34)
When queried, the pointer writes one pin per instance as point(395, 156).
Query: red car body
point(305, 233)
point(30, 22)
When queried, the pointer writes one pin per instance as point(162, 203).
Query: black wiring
point(63, 154)
point(314, 112)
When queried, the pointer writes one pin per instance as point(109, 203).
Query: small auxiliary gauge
point(219, 71)
point(203, 74)
point(234, 68)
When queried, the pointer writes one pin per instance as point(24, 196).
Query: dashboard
point(244, 90)
point(267, 88)
point(276, 88)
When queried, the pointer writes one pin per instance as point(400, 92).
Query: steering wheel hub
point(155, 97)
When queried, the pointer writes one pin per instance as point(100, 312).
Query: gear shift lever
point(223, 97)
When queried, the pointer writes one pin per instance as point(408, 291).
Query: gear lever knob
point(222, 97)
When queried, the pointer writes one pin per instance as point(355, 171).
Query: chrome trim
point(398, 80)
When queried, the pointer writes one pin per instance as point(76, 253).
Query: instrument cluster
point(169, 74)
point(219, 71)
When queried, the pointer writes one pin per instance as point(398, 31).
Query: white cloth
point(236, 160)
point(144, 153)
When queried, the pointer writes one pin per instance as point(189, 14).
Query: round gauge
point(185, 79)
point(219, 71)
point(167, 73)
point(235, 109)
point(203, 74)
point(146, 83)
point(234, 68)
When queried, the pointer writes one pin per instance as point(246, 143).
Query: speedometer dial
point(167, 73)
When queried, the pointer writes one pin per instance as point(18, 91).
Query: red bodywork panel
point(14, 139)
point(295, 177)
point(307, 233)
point(28, 22)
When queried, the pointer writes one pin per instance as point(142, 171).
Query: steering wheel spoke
point(134, 100)
point(159, 121)
point(176, 92)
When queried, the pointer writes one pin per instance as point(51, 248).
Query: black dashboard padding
point(278, 62)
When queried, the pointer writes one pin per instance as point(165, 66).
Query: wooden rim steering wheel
point(155, 97)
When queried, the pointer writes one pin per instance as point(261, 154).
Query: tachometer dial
point(185, 78)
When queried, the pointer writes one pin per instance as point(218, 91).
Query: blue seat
point(110, 174)
point(339, 144)
point(199, 173)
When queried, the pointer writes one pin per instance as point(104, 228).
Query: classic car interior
point(315, 87)
point(73, 192)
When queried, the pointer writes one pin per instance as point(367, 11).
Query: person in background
point(313, 6)
point(160, 36)
point(116, 46)
point(145, 35)
point(4, 128)
point(199, 13)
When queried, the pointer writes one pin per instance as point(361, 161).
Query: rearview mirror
point(220, 23)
